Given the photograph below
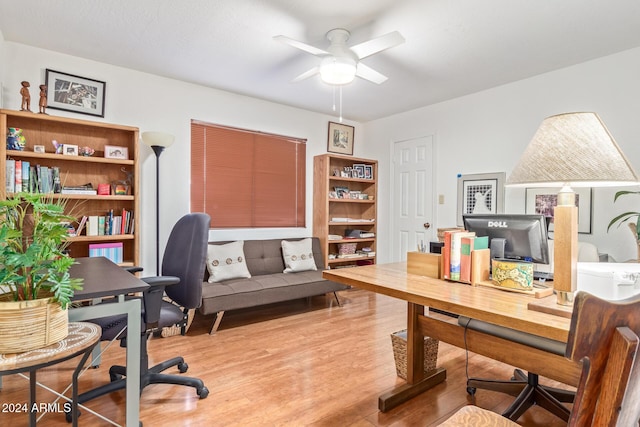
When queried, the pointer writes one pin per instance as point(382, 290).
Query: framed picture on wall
point(74, 93)
point(480, 193)
point(340, 139)
point(544, 200)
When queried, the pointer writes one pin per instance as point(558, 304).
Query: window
point(247, 179)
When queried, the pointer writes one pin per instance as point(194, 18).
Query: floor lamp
point(158, 141)
point(570, 150)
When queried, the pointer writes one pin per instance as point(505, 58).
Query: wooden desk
point(490, 305)
point(81, 340)
point(103, 278)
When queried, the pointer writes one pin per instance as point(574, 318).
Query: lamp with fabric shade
point(158, 141)
point(571, 150)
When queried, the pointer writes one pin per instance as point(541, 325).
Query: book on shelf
point(10, 173)
point(455, 258)
point(92, 225)
point(334, 237)
point(18, 176)
point(358, 234)
point(25, 176)
point(79, 189)
point(81, 225)
point(339, 219)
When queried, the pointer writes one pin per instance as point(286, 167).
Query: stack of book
point(22, 176)
point(456, 253)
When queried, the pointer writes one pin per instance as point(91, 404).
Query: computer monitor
point(525, 236)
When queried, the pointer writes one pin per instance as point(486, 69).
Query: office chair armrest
point(163, 281)
point(152, 297)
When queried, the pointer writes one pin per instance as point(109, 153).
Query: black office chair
point(525, 387)
point(183, 266)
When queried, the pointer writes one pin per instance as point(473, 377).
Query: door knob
point(427, 225)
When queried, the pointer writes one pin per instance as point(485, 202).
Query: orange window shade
point(247, 179)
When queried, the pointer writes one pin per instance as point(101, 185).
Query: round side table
point(82, 338)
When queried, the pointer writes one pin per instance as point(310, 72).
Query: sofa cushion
point(226, 262)
point(298, 256)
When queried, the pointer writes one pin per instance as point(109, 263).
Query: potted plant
point(35, 285)
point(634, 226)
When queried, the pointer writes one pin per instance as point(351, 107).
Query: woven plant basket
point(399, 343)
point(27, 325)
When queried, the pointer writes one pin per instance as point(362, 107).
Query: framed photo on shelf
point(368, 171)
point(340, 139)
point(358, 170)
point(74, 93)
point(116, 152)
point(544, 200)
point(38, 148)
point(69, 150)
point(480, 193)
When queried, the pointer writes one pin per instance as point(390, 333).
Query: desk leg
point(32, 397)
point(417, 380)
point(132, 308)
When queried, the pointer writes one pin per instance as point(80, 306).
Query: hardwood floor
point(301, 363)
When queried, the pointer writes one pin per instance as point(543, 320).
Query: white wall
point(156, 103)
point(483, 132)
point(489, 130)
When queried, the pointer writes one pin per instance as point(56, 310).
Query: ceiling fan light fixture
point(337, 70)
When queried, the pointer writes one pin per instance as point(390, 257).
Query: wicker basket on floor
point(399, 343)
point(175, 330)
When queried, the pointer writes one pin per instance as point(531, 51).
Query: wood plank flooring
point(302, 363)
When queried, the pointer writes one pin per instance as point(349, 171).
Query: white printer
point(609, 280)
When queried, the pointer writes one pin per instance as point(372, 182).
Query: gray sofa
point(268, 284)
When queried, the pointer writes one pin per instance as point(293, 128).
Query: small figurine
point(26, 97)
point(42, 105)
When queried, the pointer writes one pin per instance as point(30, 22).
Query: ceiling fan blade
point(302, 46)
point(310, 73)
point(370, 74)
point(378, 44)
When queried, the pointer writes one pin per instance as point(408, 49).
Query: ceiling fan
point(340, 64)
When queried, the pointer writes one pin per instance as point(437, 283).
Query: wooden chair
point(604, 337)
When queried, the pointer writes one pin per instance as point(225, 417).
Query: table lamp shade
point(574, 149)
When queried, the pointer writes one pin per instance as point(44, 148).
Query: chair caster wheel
point(115, 377)
point(183, 367)
point(471, 390)
point(203, 392)
point(69, 417)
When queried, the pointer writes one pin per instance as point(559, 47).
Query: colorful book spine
point(455, 257)
point(446, 254)
point(18, 176)
point(26, 167)
point(466, 247)
point(10, 180)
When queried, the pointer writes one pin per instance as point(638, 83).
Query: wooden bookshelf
point(333, 216)
point(41, 129)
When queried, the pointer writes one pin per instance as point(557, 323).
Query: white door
point(412, 212)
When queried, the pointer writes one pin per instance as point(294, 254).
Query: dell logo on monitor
point(497, 224)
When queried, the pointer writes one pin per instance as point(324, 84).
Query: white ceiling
point(453, 47)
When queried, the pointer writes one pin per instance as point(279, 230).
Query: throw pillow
point(298, 256)
point(226, 262)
